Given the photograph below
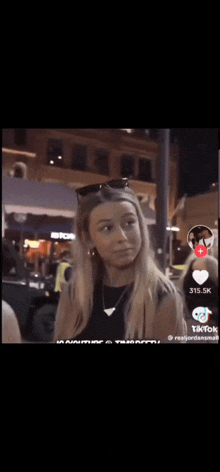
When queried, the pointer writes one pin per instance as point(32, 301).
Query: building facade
point(78, 157)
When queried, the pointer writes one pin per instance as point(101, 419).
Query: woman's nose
point(120, 235)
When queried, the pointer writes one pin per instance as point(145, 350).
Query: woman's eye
point(130, 222)
point(106, 228)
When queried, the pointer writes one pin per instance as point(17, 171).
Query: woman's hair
point(141, 306)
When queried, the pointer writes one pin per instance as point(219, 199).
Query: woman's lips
point(123, 251)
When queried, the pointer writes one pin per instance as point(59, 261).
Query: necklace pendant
point(109, 311)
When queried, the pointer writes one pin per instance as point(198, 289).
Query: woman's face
point(115, 231)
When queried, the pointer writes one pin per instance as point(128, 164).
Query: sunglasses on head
point(117, 184)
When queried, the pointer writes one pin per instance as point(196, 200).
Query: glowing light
point(59, 157)
point(173, 228)
point(51, 162)
point(32, 244)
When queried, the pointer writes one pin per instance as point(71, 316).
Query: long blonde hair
point(76, 302)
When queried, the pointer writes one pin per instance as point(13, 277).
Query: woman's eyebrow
point(109, 219)
point(104, 220)
point(130, 214)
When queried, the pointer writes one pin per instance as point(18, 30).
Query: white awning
point(25, 196)
point(39, 211)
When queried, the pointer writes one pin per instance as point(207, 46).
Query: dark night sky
point(198, 159)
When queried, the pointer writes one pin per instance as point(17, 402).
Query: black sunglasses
point(118, 183)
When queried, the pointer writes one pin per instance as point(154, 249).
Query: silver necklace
point(109, 311)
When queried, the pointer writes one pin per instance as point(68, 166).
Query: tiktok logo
point(201, 314)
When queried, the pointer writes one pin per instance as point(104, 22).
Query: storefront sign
point(54, 235)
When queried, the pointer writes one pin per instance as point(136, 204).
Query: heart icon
point(200, 276)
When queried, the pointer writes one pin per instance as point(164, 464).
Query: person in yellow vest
point(64, 263)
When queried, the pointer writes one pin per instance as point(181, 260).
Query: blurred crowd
point(45, 265)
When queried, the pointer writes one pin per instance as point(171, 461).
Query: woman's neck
point(115, 277)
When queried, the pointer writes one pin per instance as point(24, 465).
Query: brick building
point(77, 157)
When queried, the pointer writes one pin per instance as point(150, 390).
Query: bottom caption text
point(144, 341)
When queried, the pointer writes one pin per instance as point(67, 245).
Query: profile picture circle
point(200, 235)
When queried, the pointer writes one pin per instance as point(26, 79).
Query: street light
point(173, 228)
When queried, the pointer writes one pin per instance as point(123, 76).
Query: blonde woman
point(116, 292)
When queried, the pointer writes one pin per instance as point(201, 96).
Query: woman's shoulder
point(166, 287)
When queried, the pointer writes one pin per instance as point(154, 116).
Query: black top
point(100, 325)
point(104, 327)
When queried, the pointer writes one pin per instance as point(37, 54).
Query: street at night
point(110, 236)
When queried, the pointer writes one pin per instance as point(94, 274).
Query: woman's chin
point(124, 261)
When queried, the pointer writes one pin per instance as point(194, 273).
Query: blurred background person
point(10, 328)
point(206, 238)
point(52, 265)
point(192, 240)
point(25, 255)
point(213, 251)
point(8, 262)
point(65, 263)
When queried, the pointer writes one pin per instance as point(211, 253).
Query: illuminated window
point(55, 152)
